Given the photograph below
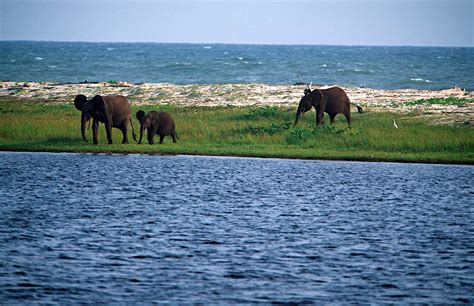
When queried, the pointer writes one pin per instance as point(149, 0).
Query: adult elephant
point(331, 100)
point(160, 123)
point(113, 111)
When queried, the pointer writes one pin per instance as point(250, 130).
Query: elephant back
point(166, 125)
point(118, 107)
point(336, 100)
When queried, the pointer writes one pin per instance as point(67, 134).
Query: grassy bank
point(246, 131)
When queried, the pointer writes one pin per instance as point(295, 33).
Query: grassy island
point(257, 131)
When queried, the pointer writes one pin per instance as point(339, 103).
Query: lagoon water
point(369, 66)
point(132, 228)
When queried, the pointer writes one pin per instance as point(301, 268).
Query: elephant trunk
point(142, 128)
point(84, 120)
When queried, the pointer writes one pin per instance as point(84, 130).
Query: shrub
point(262, 112)
point(297, 136)
point(273, 129)
point(441, 101)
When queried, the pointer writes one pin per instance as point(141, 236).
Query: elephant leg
point(151, 135)
point(332, 116)
point(125, 134)
point(319, 116)
point(348, 118)
point(108, 131)
point(95, 131)
point(174, 136)
point(161, 138)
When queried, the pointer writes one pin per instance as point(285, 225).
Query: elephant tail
point(133, 131)
point(360, 110)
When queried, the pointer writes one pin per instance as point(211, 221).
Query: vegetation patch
point(272, 129)
point(297, 136)
point(261, 112)
point(441, 101)
point(27, 125)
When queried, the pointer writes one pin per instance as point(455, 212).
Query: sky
point(326, 22)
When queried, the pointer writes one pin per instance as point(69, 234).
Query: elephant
point(160, 123)
point(113, 111)
point(332, 100)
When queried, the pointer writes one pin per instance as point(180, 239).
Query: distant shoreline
point(254, 94)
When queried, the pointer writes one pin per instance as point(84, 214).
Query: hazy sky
point(341, 22)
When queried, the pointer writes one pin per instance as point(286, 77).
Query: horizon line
point(231, 43)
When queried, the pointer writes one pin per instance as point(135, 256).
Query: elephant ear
point(316, 97)
point(79, 101)
point(99, 104)
point(141, 116)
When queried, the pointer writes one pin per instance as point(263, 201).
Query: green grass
point(245, 131)
point(441, 101)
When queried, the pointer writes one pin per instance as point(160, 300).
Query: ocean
point(433, 68)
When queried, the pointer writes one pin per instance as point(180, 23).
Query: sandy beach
point(372, 100)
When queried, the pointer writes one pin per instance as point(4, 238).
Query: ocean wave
point(39, 58)
point(420, 80)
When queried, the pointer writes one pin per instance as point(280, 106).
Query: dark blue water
point(376, 67)
point(114, 228)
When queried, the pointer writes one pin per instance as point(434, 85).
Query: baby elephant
point(160, 123)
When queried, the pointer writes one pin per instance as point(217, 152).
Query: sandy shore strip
point(372, 100)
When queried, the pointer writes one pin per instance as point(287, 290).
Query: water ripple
point(231, 230)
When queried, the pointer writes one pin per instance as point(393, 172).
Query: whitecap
point(38, 58)
point(417, 79)
point(240, 58)
point(52, 66)
point(226, 52)
point(427, 81)
point(207, 47)
point(110, 49)
point(324, 65)
point(260, 63)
